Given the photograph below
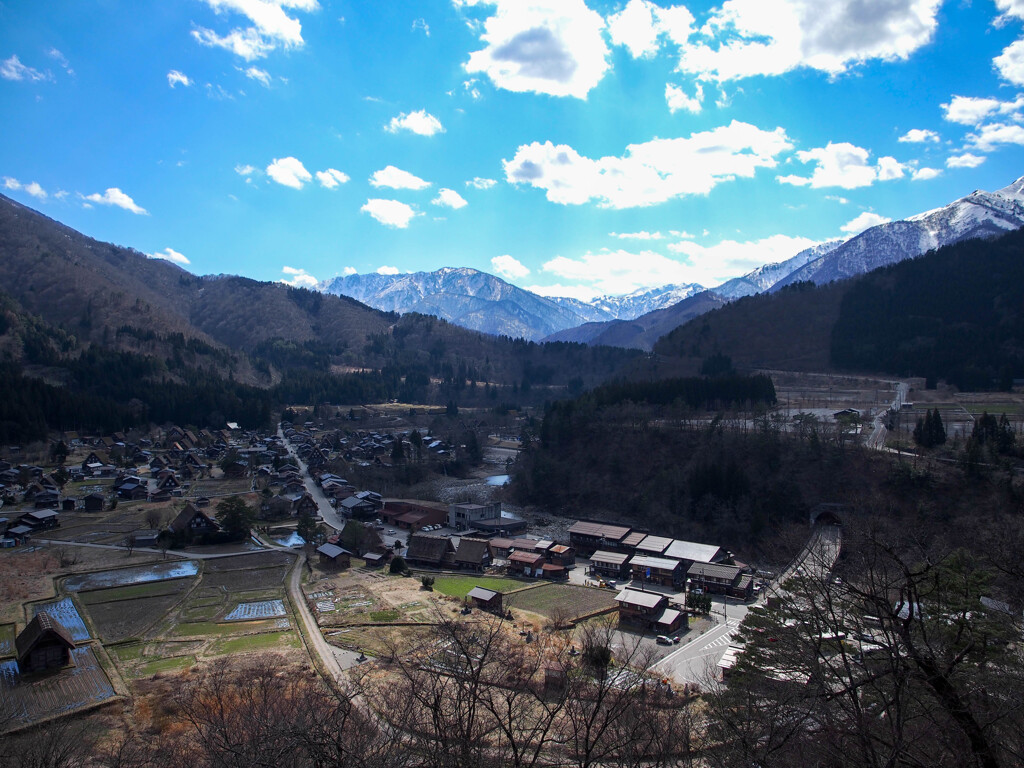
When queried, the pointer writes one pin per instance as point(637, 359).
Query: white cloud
point(481, 183)
point(246, 44)
point(966, 160)
point(174, 77)
point(1011, 8)
point(579, 292)
point(541, 46)
point(648, 173)
point(1010, 63)
point(995, 134)
point(259, 75)
point(298, 278)
point(639, 25)
point(644, 235)
point(289, 171)
point(843, 165)
point(13, 69)
point(509, 267)
point(420, 122)
point(169, 254)
point(866, 220)
point(713, 264)
point(331, 178)
point(245, 170)
point(11, 183)
point(385, 270)
point(677, 99)
point(918, 136)
point(971, 110)
point(390, 213)
point(396, 178)
point(744, 38)
point(449, 198)
point(349, 271)
point(34, 189)
point(421, 24)
point(114, 196)
point(53, 53)
point(925, 174)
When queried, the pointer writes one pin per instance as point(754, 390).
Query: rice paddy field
point(570, 600)
point(25, 699)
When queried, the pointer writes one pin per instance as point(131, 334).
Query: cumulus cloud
point(509, 267)
point(1010, 63)
point(971, 110)
point(843, 165)
point(866, 220)
point(390, 213)
point(648, 173)
point(419, 122)
point(271, 28)
point(174, 77)
point(33, 188)
point(924, 174)
point(245, 170)
point(712, 264)
point(994, 135)
point(298, 278)
point(744, 38)
point(641, 23)
point(396, 178)
point(966, 160)
point(169, 254)
point(449, 198)
point(554, 47)
point(385, 270)
point(331, 178)
point(13, 69)
point(918, 136)
point(643, 235)
point(481, 183)
point(677, 99)
point(289, 171)
point(114, 196)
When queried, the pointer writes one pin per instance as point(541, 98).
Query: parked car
point(391, 531)
point(663, 640)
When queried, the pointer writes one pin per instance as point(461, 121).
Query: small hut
point(43, 644)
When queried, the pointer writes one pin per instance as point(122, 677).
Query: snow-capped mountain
point(463, 296)
point(764, 277)
point(645, 300)
point(980, 214)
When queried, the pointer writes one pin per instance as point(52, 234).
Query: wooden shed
point(43, 644)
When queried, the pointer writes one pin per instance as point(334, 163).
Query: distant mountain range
point(483, 302)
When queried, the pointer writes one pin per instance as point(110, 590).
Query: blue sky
point(575, 148)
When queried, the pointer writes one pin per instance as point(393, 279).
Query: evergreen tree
point(235, 516)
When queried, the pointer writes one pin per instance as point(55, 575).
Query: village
point(121, 566)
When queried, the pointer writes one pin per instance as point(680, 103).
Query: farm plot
point(65, 614)
point(246, 579)
point(118, 620)
point(258, 559)
point(28, 700)
point(125, 576)
point(570, 600)
point(265, 609)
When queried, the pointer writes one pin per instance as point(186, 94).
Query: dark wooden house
point(43, 644)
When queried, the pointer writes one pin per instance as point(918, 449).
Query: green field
point(459, 586)
point(150, 589)
point(264, 642)
point(166, 665)
point(197, 628)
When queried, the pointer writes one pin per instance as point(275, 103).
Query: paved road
point(334, 660)
point(877, 438)
point(696, 661)
point(327, 512)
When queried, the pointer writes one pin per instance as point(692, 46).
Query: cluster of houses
point(317, 447)
point(621, 552)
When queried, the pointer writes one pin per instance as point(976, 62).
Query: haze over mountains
point(483, 302)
